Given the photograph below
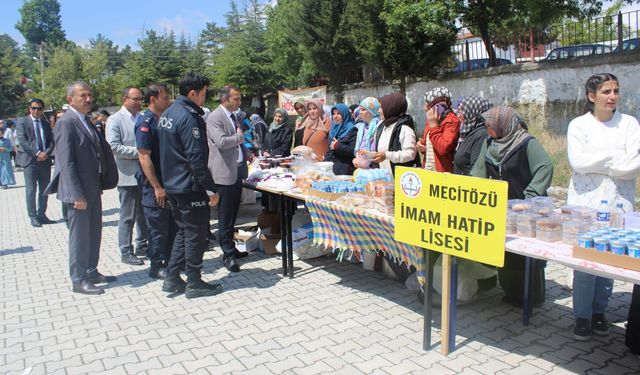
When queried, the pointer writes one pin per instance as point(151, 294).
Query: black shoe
point(201, 289)
point(132, 259)
point(35, 223)
point(230, 263)
point(599, 325)
point(582, 330)
point(99, 278)
point(140, 251)
point(157, 272)
point(45, 220)
point(86, 287)
point(239, 254)
point(174, 284)
point(211, 236)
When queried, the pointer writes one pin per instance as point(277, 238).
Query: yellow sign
point(452, 214)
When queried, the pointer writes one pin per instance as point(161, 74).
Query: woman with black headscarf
point(278, 138)
point(396, 135)
point(473, 132)
point(511, 154)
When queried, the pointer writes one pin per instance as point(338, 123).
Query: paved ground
point(333, 318)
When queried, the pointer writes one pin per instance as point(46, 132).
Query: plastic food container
point(586, 241)
point(601, 244)
point(518, 205)
point(549, 229)
point(575, 227)
point(586, 213)
point(633, 250)
point(542, 205)
point(618, 247)
point(526, 224)
point(512, 222)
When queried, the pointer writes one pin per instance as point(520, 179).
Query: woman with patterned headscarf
point(440, 137)
point(472, 133)
point(366, 137)
point(314, 130)
point(395, 136)
point(278, 138)
point(513, 155)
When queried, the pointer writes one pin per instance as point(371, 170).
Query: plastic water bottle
point(617, 216)
point(603, 214)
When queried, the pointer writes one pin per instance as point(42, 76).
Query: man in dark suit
point(228, 166)
point(80, 161)
point(35, 145)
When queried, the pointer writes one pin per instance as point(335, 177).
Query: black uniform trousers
point(36, 178)
point(191, 213)
point(161, 233)
point(228, 207)
point(85, 235)
point(632, 336)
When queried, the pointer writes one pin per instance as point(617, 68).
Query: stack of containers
point(615, 240)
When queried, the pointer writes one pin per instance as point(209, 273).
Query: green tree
point(40, 23)
point(415, 38)
point(65, 65)
point(245, 61)
point(11, 90)
point(493, 18)
point(289, 60)
point(157, 61)
point(596, 30)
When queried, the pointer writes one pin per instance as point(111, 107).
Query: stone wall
point(548, 95)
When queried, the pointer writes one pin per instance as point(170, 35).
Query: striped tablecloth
point(359, 230)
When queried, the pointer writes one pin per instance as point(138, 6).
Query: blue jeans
point(590, 294)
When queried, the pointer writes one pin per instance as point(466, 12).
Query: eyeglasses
point(37, 108)
point(135, 99)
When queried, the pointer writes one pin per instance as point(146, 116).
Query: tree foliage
point(40, 23)
point(11, 89)
point(499, 20)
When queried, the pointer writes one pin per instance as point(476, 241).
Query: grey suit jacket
point(223, 148)
point(27, 146)
point(77, 160)
point(122, 139)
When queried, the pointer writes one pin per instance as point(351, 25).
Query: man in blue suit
point(35, 145)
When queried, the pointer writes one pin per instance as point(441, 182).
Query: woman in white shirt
point(603, 146)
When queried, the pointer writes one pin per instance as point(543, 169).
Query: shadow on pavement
point(17, 250)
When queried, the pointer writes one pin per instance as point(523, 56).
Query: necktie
point(235, 121)
point(39, 139)
point(241, 147)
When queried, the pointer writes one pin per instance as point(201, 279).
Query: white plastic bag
point(469, 272)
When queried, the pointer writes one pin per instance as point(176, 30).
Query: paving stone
point(333, 318)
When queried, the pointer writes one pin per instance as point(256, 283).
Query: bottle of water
point(617, 216)
point(603, 214)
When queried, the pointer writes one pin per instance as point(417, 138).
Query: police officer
point(161, 228)
point(183, 161)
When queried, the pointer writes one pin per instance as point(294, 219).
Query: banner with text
point(458, 215)
point(287, 98)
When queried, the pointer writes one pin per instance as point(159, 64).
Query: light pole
point(41, 59)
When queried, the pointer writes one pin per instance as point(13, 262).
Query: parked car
point(577, 51)
point(628, 45)
point(478, 64)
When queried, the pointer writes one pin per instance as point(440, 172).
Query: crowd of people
point(176, 160)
